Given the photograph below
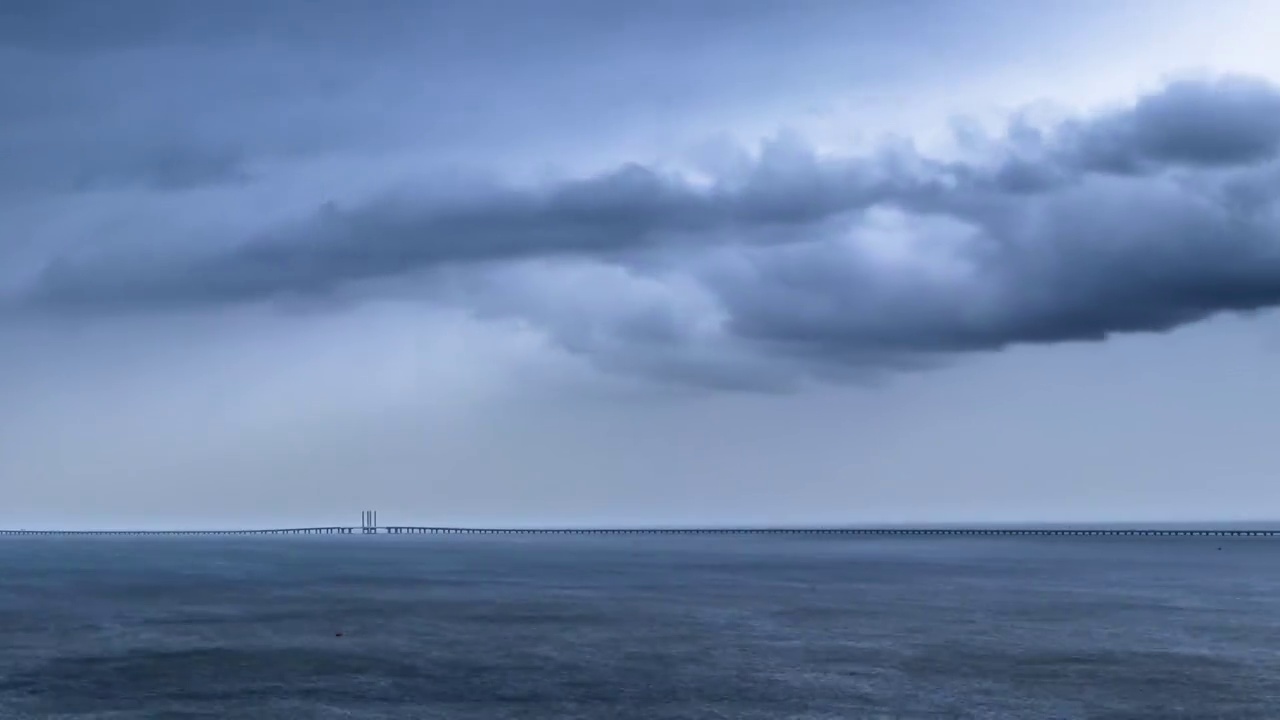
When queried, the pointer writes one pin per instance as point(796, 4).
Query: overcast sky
point(661, 262)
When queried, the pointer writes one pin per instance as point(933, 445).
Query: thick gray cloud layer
point(1140, 219)
point(160, 158)
point(160, 95)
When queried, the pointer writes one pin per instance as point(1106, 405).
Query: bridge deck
point(866, 531)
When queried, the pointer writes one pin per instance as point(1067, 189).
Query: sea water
point(640, 627)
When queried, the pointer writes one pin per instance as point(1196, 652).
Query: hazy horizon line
point(1253, 523)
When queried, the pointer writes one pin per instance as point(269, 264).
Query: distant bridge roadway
point(844, 531)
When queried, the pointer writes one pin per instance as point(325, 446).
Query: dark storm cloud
point(1141, 219)
point(1231, 121)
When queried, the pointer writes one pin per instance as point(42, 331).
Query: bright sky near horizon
point(587, 261)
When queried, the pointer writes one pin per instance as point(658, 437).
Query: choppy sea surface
point(640, 627)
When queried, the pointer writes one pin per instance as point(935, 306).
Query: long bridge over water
point(863, 531)
point(370, 526)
